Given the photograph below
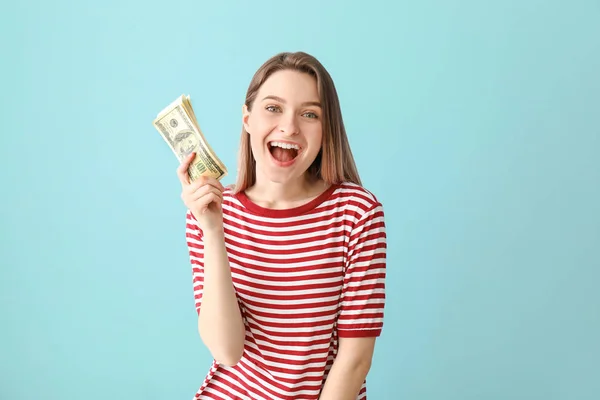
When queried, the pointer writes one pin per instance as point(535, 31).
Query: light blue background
point(476, 123)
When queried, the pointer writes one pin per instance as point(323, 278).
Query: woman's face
point(285, 126)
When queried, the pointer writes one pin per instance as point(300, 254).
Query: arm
point(220, 321)
point(362, 304)
point(349, 369)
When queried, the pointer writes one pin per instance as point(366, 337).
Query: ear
point(245, 118)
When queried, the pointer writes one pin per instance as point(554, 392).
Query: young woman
point(289, 264)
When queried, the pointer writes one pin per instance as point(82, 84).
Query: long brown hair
point(335, 162)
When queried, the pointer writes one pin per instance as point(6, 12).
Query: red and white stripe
point(304, 277)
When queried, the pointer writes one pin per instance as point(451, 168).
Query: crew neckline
point(286, 212)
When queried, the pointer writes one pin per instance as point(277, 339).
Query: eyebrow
point(279, 99)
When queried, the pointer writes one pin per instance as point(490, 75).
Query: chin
point(280, 177)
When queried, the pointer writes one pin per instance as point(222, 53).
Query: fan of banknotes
point(177, 124)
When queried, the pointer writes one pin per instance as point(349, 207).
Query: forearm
point(220, 321)
point(345, 379)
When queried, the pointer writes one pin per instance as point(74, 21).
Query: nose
point(289, 125)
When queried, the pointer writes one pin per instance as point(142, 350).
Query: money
point(178, 126)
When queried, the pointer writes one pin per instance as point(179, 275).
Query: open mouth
point(283, 152)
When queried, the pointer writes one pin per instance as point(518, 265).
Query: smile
point(284, 153)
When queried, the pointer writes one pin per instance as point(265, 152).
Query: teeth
point(285, 145)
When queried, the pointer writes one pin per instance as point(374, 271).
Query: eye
point(272, 108)
point(310, 114)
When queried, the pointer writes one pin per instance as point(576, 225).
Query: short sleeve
point(193, 236)
point(363, 291)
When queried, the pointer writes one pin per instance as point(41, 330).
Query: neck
point(285, 195)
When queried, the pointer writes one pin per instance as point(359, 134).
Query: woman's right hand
point(203, 198)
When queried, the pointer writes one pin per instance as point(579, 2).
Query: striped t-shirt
point(303, 277)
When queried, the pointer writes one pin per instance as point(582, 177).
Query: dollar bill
point(178, 126)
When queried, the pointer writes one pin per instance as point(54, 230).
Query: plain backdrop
point(475, 123)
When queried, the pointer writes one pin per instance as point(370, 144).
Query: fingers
point(199, 196)
point(201, 193)
point(182, 170)
point(184, 177)
point(205, 181)
point(201, 200)
point(204, 191)
point(208, 199)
